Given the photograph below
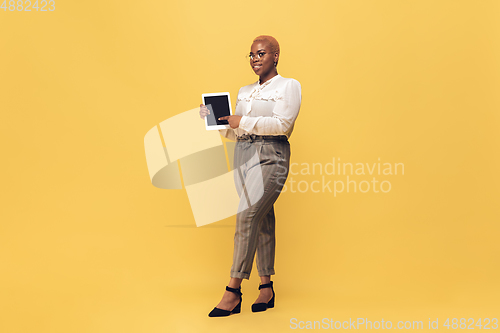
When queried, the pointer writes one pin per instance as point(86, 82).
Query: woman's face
point(265, 64)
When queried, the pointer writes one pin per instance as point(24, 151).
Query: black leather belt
point(253, 137)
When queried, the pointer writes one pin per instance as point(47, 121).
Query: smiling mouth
point(257, 66)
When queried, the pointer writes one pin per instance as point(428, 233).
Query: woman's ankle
point(265, 279)
point(235, 283)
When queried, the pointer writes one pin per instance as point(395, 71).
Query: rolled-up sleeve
point(285, 112)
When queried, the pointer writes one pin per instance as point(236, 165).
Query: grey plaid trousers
point(261, 166)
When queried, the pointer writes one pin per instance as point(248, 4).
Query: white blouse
point(267, 109)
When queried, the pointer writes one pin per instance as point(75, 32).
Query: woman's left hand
point(234, 121)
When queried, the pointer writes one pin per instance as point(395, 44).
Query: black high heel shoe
point(258, 307)
point(216, 312)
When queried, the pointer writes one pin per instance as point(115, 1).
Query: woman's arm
point(228, 133)
point(285, 112)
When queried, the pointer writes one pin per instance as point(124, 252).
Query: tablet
point(219, 105)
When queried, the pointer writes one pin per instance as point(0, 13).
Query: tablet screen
point(219, 107)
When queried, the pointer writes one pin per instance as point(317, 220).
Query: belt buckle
point(248, 137)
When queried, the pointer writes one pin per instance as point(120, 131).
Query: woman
point(264, 119)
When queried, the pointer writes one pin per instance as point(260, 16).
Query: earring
point(275, 64)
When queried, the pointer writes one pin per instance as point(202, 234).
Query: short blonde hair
point(273, 43)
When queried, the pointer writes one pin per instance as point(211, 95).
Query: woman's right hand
point(204, 111)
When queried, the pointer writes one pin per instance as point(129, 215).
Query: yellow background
point(89, 245)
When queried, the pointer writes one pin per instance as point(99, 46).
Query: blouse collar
point(267, 82)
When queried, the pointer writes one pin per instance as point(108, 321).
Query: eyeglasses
point(259, 55)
